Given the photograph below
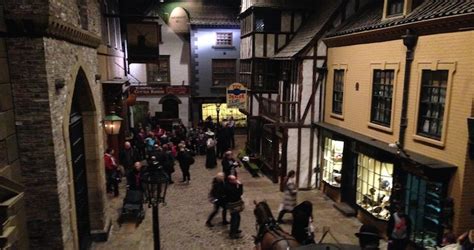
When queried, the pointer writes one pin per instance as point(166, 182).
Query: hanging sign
point(237, 96)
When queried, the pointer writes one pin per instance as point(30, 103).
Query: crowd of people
point(158, 146)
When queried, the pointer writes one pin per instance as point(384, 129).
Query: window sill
point(429, 141)
point(331, 185)
point(223, 47)
point(337, 116)
point(381, 128)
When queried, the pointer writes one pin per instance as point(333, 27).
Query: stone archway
point(83, 140)
point(170, 106)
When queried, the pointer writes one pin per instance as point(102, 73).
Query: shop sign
point(237, 96)
point(162, 90)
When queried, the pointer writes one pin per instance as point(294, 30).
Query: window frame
point(230, 40)
point(265, 15)
point(338, 67)
point(390, 3)
point(384, 65)
point(223, 73)
point(434, 66)
point(162, 57)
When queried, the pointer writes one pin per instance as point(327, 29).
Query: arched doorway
point(76, 139)
point(83, 163)
point(170, 106)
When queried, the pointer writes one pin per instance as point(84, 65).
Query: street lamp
point(112, 124)
point(155, 183)
point(218, 110)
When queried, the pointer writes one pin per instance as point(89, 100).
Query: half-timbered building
point(283, 61)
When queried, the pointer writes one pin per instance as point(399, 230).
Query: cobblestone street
point(182, 219)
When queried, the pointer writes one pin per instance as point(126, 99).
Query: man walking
point(233, 191)
point(217, 197)
point(128, 157)
point(229, 164)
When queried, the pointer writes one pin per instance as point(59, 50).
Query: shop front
point(372, 178)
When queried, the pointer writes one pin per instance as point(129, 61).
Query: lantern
point(112, 124)
point(155, 183)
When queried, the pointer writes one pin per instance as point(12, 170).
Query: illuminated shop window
point(210, 109)
point(374, 186)
point(332, 162)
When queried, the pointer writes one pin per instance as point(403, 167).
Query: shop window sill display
point(374, 186)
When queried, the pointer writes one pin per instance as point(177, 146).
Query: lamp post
point(155, 183)
point(112, 124)
point(218, 110)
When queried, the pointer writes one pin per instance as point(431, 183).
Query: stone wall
point(36, 146)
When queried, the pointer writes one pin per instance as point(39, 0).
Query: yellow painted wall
point(441, 49)
point(357, 59)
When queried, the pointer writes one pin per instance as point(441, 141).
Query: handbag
point(236, 207)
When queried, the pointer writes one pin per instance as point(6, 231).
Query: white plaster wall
point(174, 46)
point(307, 81)
point(255, 106)
point(246, 48)
point(292, 152)
point(178, 50)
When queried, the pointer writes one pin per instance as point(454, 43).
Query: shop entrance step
point(345, 209)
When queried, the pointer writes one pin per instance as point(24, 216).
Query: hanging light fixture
point(112, 124)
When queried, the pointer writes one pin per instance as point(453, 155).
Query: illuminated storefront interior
point(210, 109)
point(332, 161)
point(374, 186)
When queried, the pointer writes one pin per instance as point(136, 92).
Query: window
point(223, 39)
point(338, 91)
point(432, 103)
point(332, 161)
point(223, 71)
point(374, 186)
point(265, 75)
point(267, 21)
point(159, 72)
point(382, 94)
point(395, 7)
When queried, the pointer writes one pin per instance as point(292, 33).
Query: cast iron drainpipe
point(409, 40)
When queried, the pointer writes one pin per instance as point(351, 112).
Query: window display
point(332, 162)
point(210, 109)
point(374, 186)
point(424, 207)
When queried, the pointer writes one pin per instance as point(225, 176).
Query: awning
point(410, 156)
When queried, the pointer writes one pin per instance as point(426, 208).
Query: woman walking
point(289, 200)
point(211, 161)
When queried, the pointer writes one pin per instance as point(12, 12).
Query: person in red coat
point(111, 172)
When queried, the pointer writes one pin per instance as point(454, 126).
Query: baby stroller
point(132, 207)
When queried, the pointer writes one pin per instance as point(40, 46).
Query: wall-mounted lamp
point(59, 83)
point(112, 123)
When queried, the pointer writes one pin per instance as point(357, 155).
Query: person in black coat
point(217, 197)
point(233, 191)
point(302, 228)
point(185, 160)
point(229, 164)
point(166, 160)
point(128, 156)
point(134, 177)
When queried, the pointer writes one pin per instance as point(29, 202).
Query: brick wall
point(37, 158)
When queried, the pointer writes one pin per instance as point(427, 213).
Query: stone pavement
point(182, 219)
